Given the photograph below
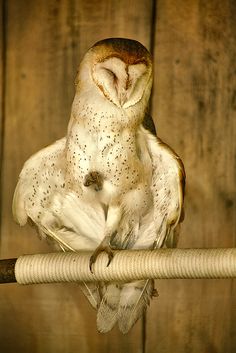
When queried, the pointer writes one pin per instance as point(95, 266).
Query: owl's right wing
point(40, 196)
point(42, 173)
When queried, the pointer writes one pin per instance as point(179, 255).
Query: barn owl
point(110, 183)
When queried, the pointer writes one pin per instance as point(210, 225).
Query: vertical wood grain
point(46, 40)
point(1, 89)
point(194, 106)
point(194, 110)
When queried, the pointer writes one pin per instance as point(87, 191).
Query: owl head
point(117, 70)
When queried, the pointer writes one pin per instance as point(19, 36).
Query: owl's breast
point(109, 153)
point(120, 166)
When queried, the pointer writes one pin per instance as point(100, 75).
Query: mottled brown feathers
point(130, 51)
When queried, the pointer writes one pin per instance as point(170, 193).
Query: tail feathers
point(108, 310)
point(134, 299)
point(91, 291)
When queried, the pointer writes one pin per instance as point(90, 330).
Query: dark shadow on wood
point(152, 47)
point(144, 332)
point(3, 35)
point(153, 26)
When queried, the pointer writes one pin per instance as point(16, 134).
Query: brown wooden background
point(194, 105)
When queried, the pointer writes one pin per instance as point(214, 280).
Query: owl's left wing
point(160, 226)
point(167, 186)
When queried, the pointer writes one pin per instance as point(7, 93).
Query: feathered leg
point(113, 218)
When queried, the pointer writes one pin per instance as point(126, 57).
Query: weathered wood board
point(194, 108)
point(194, 104)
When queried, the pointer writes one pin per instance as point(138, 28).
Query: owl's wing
point(168, 184)
point(40, 197)
point(41, 179)
point(58, 213)
point(42, 173)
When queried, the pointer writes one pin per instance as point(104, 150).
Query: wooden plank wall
point(194, 95)
point(1, 89)
point(194, 103)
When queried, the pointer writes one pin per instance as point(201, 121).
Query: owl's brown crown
point(130, 51)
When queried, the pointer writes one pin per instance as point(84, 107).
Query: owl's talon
point(91, 262)
point(100, 249)
point(110, 257)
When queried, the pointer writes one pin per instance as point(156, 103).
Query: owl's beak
point(122, 97)
point(123, 89)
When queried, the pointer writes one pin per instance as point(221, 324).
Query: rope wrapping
point(127, 266)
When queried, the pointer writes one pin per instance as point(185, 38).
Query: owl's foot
point(103, 247)
point(94, 178)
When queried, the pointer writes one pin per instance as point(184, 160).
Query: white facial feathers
point(121, 83)
point(116, 72)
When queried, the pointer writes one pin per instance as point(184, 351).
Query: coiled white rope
point(127, 265)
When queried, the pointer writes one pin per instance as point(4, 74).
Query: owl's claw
point(110, 257)
point(94, 178)
point(101, 248)
point(93, 258)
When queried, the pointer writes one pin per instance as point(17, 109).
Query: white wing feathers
point(62, 217)
point(168, 182)
point(41, 196)
point(41, 175)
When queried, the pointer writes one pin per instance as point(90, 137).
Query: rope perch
point(125, 266)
